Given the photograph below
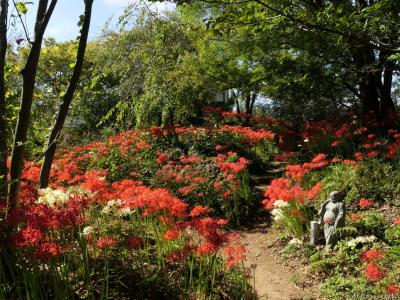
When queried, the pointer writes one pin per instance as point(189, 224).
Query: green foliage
point(343, 260)
point(373, 178)
point(339, 287)
point(159, 74)
point(392, 235)
point(373, 223)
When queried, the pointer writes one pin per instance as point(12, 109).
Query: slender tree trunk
point(3, 124)
point(28, 77)
point(67, 98)
point(250, 100)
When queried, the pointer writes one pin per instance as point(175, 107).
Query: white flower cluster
point(111, 206)
point(361, 240)
point(114, 207)
point(52, 198)
point(296, 241)
point(281, 204)
point(58, 197)
point(277, 212)
point(88, 230)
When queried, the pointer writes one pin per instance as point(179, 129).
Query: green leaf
point(21, 7)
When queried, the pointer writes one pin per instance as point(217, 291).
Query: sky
point(63, 23)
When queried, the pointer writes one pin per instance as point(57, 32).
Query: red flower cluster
point(248, 134)
point(47, 251)
point(297, 172)
point(372, 255)
point(393, 289)
point(134, 242)
point(106, 242)
point(199, 210)
point(282, 189)
point(365, 203)
point(374, 273)
point(235, 255)
point(225, 163)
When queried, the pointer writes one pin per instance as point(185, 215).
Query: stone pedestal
point(314, 232)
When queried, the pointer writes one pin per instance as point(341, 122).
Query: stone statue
point(332, 213)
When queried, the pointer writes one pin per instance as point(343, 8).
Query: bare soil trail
point(272, 280)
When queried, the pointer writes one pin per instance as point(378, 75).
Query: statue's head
point(336, 196)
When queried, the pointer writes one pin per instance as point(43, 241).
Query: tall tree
point(3, 125)
point(67, 98)
point(358, 41)
point(28, 73)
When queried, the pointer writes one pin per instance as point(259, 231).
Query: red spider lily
point(281, 189)
point(374, 273)
point(184, 190)
point(47, 251)
point(28, 237)
point(156, 131)
point(372, 255)
point(137, 196)
point(319, 158)
point(106, 242)
point(229, 167)
point(191, 159)
point(207, 248)
point(226, 194)
point(142, 145)
point(358, 156)
point(296, 171)
point(372, 154)
point(295, 212)
point(342, 131)
point(199, 210)
point(31, 172)
point(284, 156)
point(248, 134)
point(161, 157)
point(392, 151)
point(199, 179)
point(377, 143)
point(217, 185)
point(335, 144)
point(235, 255)
point(393, 289)
point(315, 190)
point(349, 162)
point(134, 242)
point(365, 203)
point(355, 217)
point(172, 234)
point(220, 148)
point(181, 254)
point(368, 146)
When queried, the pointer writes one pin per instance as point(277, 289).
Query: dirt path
point(273, 281)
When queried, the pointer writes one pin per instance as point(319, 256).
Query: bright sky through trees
point(61, 28)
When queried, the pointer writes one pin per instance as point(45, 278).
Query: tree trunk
point(250, 100)
point(67, 98)
point(28, 77)
point(3, 124)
